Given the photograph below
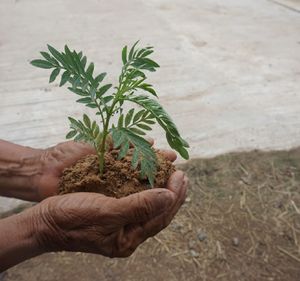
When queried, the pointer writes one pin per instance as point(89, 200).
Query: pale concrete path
point(229, 69)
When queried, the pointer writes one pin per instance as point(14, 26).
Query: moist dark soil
point(240, 221)
point(119, 178)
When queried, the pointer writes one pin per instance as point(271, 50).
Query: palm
point(55, 160)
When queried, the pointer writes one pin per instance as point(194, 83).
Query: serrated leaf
point(124, 55)
point(41, 64)
point(54, 74)
point(71, 134)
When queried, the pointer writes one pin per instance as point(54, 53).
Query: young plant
point(131, 125)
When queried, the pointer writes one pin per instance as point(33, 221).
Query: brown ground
point(118, 180)
point(241, 221)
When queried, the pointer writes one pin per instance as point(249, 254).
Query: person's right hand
point(94, 223)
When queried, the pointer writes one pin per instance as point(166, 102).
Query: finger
point(143, 206)
point(160, 222)
point(79, 148)
point(168, 154)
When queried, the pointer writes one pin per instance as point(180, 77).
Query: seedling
point(108, 101)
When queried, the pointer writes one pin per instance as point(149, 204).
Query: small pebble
point(235, 241)
point(188, 199)
point(194, 254)
point(201, 236)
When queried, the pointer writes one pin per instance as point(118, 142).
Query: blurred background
point(229, 77)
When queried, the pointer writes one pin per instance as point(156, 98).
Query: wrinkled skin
point(54, 160)
point(85, 222)
point(94, 223)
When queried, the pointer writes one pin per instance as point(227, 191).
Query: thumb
point(145, 205)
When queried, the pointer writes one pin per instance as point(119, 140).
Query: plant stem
point(106, 124)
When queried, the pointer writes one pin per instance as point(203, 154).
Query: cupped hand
point(94, 223)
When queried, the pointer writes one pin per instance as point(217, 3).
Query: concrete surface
point(229, 69)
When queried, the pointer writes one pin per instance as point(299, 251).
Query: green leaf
point(71, 134)
point(100, 78)
point(137, 131)
point(54, 74)
point(138, 115)
point(56, 54)
point(93, 93)
point(49, 58)
point(150, 122)
point(85, 100)
point(130, 56)
point(135, 158)
point(64, 78)
point(148, 88)
point(143, 152)
point(103, 90)
point(164, 120)
point(86, 120)
point(124, 55)
point(183, 152)
point(120, 121)
point(78, 91)
point(123, 150)
point(128, 117)
point(144, 127)
point(90, 69)
point(91, 105)
point(83, 62)
point(107, 99)
point(146, 53)
point(41, 64)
